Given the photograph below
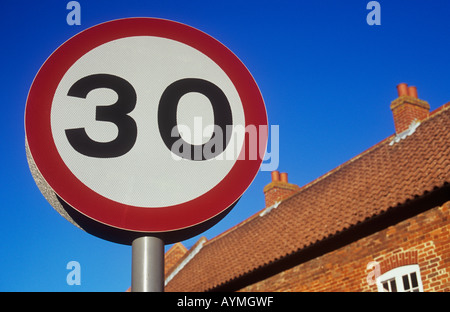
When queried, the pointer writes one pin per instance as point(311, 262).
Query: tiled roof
point(375, 181)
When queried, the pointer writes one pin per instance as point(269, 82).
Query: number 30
point(117, 113)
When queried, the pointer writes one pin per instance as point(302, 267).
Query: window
point(390, 285)
point(402, 279)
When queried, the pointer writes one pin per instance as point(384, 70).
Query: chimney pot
point(284, 177)
point(412, 91)
point(402, 89)
point(275, 176)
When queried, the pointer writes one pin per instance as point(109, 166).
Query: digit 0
point(167, 116)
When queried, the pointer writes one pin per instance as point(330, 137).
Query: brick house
point(379, 222)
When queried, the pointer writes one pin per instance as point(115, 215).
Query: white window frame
point(397, 276)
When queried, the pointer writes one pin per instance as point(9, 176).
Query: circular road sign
point(144, 125)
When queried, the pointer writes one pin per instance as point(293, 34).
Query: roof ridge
point(260, 213)
point(231, 229)
point(372, 148)
point(346, 163)
point(432, 115)
point(438, 111)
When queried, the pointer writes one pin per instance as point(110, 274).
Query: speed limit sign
point(131, 129)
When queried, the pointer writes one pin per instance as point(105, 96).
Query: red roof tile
point(378, 179)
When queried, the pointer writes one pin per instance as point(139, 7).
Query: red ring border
point(102, 209)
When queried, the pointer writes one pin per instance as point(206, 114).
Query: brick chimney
point(279, 188)
point(407, 108)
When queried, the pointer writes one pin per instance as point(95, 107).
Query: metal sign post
point(147, 264)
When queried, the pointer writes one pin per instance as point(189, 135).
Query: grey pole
point(147, 264)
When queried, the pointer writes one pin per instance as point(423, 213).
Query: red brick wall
point(406, 109)
point(406, 114)
point(276, 191)
point(398, 259)
point(423, 239)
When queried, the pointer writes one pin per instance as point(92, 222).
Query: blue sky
point(326, 76)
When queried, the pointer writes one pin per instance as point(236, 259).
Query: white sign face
point(149, 174)
point(146, 126)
